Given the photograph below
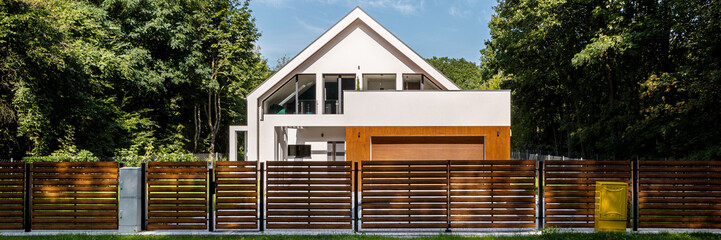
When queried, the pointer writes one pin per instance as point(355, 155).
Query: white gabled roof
point(357, 14)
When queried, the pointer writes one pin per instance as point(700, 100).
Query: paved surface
point(390, 232)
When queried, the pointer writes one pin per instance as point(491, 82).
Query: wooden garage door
point(427, 148)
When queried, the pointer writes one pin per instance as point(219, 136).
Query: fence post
point(28, 196)
point(261, 197)
point(143, 196)
point(541, 198)
point(356, 218)
point(211, 196)
point(448, 196)
point(634, 193)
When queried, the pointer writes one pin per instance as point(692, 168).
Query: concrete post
point(129, 204)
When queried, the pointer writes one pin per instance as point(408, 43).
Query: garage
point(418, 148)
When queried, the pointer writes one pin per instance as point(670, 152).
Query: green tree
point(625, 78)
point(465, 74)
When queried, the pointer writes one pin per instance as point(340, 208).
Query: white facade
point(364, 52)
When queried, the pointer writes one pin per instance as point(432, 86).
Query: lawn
point(580, 236)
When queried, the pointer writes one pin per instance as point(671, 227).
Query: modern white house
point(359, 93)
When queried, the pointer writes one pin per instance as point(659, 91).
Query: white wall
point(317, 138)
point(393, 108)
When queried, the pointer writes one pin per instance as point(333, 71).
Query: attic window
point(296, 96)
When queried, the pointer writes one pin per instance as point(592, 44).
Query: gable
point(358, 48)
point(357, 40)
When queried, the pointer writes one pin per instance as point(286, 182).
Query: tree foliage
point(624, 78)
point(124, 77)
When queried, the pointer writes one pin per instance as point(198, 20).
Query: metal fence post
point(541, 197)
point(211, 196)
point(143, 196)
point(261, 197)
point(28, 196)
point(634, 193)
point(448, 196)
point(355, 206)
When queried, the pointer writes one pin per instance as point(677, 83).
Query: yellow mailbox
point(611, 206)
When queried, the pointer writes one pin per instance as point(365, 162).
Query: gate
point(236, 196)
point(309, 195)
point(448, 194)
point(74, 195)
point(177, 195)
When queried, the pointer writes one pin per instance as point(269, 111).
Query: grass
point(579, 236)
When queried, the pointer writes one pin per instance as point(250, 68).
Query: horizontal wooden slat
point(177, 164)
point(75, 227)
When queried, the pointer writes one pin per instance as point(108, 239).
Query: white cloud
point(310, 27)
point(460, 12)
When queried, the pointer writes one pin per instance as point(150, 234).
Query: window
point(379, 82)
point(297, 93)
point(418, 82)
point(333, 92)
point(298, 151)
point(336, 151)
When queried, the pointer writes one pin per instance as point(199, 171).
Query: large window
point(379, 82)
point(418, 82)
point(297, 93)
point(333, 86)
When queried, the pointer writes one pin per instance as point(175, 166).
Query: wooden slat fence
point(12, 180)
point(309, 195)
point(570, 187)
point(493, 194)
point(177, 195)
point(74, 195)
point(236, 201)
point(404, 194)
point(680, 194)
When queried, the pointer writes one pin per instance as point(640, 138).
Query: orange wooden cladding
point(309, 195)
point(75, 196)
point(497, 140)
point(177, 195)
point(12, 179)
point(570, 187)
point(442, 194)
point(680, 194)
point(236, 197)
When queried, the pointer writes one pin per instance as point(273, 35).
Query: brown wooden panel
point(11, 195)
point(177, 195)
point(570, 189)
point(237, 189)
point(305, 192)
point(75, 195)
point(680, 194)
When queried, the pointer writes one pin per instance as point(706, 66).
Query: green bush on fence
point(65, 156)
point(127, 158)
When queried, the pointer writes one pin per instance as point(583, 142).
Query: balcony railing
point(306, 106)
point(331, 107)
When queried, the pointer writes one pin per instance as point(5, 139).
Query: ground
point(580, 236)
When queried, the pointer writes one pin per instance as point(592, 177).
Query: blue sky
point(450, 28)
